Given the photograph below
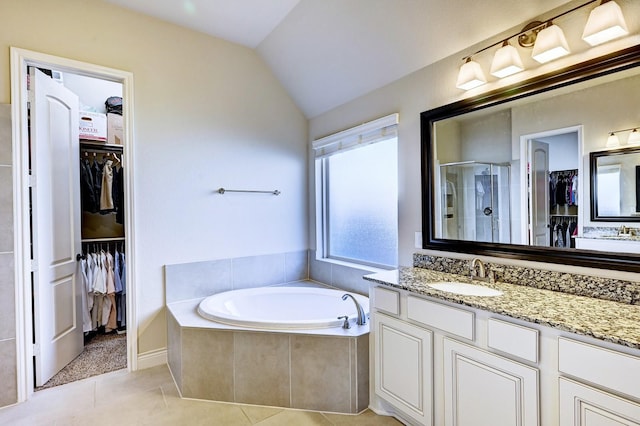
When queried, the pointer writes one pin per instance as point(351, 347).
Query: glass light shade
point(506, 62)
point(470, 76)
point(612, 141)
point(606, 22)
point(634, 138)
point(550, 44)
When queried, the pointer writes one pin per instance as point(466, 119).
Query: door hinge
point(34, 265)
point(36, 349)
point(32, 181)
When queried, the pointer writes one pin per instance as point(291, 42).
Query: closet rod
point(222, 191)
point(102, 240)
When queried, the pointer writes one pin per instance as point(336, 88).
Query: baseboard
point(152, 359)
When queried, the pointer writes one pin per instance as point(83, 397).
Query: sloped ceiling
point(328, 52)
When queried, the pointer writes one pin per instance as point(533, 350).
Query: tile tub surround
point(200, 279)
point(8, 353)
point(324, 370)
point(605, 320)
point(583, 285)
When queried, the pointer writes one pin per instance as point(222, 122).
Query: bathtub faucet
point(362, 317)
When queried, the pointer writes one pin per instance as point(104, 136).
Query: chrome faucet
point(362, 317)
point(481, 275)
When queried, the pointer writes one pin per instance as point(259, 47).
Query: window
point(357, 188)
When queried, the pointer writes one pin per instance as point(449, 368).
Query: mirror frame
point(601, 66)
point(593, 167)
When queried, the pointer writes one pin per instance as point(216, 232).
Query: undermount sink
point(465, 289)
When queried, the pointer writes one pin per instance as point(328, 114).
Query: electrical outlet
point(418, 239)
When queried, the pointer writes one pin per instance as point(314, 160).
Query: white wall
point(208, 113)
point(599, 109)
point(92, 92)
point(434, 86)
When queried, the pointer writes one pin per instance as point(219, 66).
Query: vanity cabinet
point(416, 339)
point(582, 405)
point(611, 245)
point(403, 367)
point(447, 364)
point(481, 388)
point(614, 372)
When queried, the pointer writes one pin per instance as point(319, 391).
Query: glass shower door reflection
point(475, 201)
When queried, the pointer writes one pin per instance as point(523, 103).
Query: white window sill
point(361, 266)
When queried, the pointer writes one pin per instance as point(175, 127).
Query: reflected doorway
point(553, 170)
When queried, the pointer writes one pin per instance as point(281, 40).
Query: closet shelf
point(100, 144)
point(99, 240)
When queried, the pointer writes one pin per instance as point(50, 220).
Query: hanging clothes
point(123, 300)
point(118, 193)
point(86, 312)
point(96, 169)
point(111, 323)
point(87, 187)
point(561, 192)
point(103, 302)
point(106, 193)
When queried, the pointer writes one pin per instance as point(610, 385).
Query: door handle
point(79, 257)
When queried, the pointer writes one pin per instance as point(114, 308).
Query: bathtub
point(281, 308)
point(250, 354)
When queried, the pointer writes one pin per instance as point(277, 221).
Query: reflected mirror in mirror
point(508, 174)
point(615, 185)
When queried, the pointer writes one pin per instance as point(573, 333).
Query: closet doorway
point(52, 247)
point(553, 169)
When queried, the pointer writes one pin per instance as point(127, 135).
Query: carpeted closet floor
point(102, 354)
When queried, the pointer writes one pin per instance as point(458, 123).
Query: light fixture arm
point(530, 31)
point(623, 130)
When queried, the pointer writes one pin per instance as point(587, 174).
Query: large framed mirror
point(507, 173)
point(615, 185)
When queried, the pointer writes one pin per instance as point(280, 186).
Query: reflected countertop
point(606, 320)
point(614, 237)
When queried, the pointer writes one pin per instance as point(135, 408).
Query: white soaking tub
point(282, 307)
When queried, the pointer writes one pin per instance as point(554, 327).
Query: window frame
point(376, 131)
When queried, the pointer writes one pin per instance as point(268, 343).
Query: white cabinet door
point(582, 405)
point(484, 389)
point(404, 367)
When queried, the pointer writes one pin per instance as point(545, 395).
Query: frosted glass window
point(362, 204)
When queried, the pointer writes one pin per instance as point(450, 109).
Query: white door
point(539, 194)
point(55, 225)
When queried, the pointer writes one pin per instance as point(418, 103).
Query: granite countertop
point(614, 237)
point(606, 320)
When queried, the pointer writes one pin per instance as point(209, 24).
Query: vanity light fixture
point(606, 22)
point(612, 141)
point(506, 61)
point(470, 75)
point(634, 137)
point(550, 44)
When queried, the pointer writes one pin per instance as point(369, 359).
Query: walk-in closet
point(101, 259)
point(563, 205)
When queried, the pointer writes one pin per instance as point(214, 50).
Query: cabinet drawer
point(614, 370)
point(387, 300)
point(452, 320)
point(513, 339)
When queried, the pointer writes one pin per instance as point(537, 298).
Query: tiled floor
point(149, 397)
